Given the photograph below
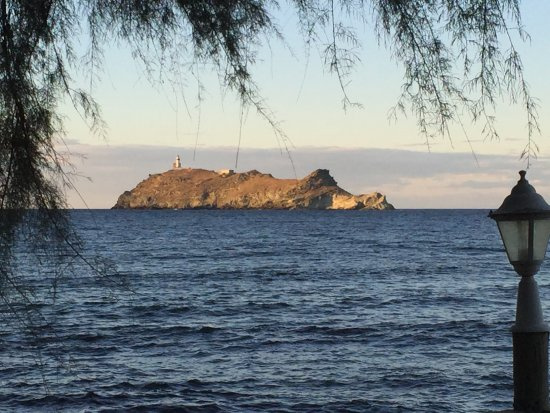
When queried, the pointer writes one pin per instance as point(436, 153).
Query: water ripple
point(276, 311)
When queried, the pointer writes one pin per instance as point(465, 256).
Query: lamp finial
point(522, 175)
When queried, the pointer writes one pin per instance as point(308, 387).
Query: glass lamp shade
point(525, 241)
point(523, 220)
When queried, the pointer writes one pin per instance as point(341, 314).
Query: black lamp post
point(524, 223)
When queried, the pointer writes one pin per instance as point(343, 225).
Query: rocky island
point(188, 188)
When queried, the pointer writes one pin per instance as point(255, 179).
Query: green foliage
point(459, 56)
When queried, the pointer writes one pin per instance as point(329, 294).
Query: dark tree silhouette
point(458, 59)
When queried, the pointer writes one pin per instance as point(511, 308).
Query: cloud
point(410, 179)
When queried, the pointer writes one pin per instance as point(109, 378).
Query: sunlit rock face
point(187, 188)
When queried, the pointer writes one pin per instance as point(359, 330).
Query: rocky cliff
point(198, 188)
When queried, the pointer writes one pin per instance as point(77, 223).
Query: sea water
point(276, 311)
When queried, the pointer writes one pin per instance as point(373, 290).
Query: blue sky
point(145, 121)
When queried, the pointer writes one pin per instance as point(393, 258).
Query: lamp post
point(523, 220)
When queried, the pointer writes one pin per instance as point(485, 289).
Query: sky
point(148, 124)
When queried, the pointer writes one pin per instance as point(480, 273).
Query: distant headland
point(187, 188)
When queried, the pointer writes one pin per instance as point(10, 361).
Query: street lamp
point(523, 220)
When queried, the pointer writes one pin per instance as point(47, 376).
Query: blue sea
point(276, 311)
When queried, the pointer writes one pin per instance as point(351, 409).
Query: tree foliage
point(458, 57)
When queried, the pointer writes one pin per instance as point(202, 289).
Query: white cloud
point(410, 179)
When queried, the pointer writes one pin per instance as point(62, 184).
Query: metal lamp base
point(531, 372)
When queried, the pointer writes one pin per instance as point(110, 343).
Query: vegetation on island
point(187, 188)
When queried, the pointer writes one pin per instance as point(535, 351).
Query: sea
point(275, 311)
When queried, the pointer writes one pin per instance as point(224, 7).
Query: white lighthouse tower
point(177, 164)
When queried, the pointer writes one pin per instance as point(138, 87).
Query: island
point(191, 188)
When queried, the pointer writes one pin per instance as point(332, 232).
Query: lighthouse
point(177, 164)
